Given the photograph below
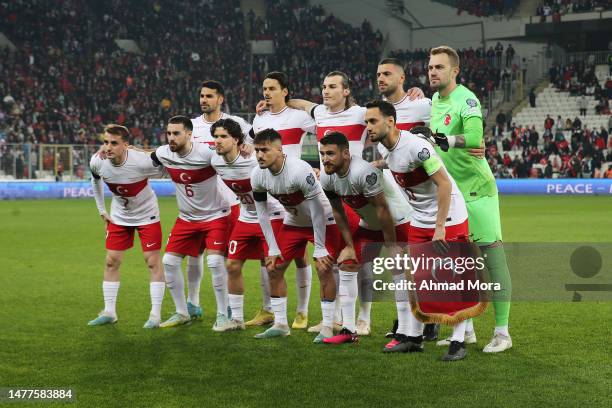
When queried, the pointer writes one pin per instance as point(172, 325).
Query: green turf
point(50, 286)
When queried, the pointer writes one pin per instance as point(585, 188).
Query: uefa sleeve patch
point(371, 179)
point(310, 179)
point(472, 102)
point(423, 154)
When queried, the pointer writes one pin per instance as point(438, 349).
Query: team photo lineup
point(243, 193)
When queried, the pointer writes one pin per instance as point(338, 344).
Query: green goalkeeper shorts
point(484, 219)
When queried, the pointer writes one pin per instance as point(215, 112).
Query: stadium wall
point(31, 189)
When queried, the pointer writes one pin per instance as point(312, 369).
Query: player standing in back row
point(457, 119)
point(212, 97)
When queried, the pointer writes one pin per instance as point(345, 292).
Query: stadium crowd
point(481, 71)
point(485, 8)
point(61, 87)
point(525, 153)
point(558, 8)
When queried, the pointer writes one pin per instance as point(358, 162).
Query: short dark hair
point(216, 85)
point(232, 127)
point(118, 130)
point(181, 120)
point(386, 108)
point(336, 138)
point(282, 80)
point(392, 61)
point(267, 136)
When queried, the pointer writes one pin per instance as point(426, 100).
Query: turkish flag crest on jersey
point(447, 119)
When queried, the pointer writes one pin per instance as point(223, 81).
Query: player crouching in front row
point(308, 218)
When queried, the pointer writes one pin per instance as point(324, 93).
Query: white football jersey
point(237, 176)
point(362, 181)
point(201, 128)
point(409, 114)
point(195, 182)
point(292, 124)
point(134, 201)
point(201, 134)
point(351, 122)
point(292, 187)
point(406, 160)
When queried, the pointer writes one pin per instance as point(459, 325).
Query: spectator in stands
point(568, 124)
point(583, 105)
point(532, 98)
point(509, 55)
point(548, 123)
point(500, 120)
point(499, 51)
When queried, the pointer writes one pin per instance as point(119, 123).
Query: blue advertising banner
point(31, 189)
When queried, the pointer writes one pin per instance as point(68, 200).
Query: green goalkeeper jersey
point(460, 114)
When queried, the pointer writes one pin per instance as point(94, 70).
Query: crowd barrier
point(32, 189)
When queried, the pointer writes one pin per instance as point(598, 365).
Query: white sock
point(264, 281)
point(502, 330)
point(327, 309)
point(279, 307)
point(175, 282)
point(236, 303)
point(337, 305)
point(195, 272)
point(469, 326)
point(157, 289)
point(459, 332)
point(402, 305)
point(347, 296)
point(109, 291)
point(303, 283)
point(216, 264)
point(365, 292)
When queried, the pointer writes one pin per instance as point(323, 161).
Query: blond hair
point(445, 49)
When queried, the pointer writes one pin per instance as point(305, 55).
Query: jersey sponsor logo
point(447, 119)
point(472, 102)
point(127, 190)
point(150, 245)
point(371, 179)
point(423, 154)
point(187, 176)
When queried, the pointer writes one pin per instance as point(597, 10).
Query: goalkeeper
point(456, 120)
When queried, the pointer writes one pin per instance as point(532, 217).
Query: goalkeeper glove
point(439, 139)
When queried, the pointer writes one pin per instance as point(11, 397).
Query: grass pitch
point(50, 286)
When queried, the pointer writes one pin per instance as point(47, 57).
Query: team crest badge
point(423, 154)
point(310, 179)
point(371, 179)
point(447, 119)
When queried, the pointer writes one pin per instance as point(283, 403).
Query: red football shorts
point(247, 241)
point(293, 240)
point(232, 219)
point(454, 233)
point(192, 237)
point(352, 217)
point(368, 243)
point(121, 237)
